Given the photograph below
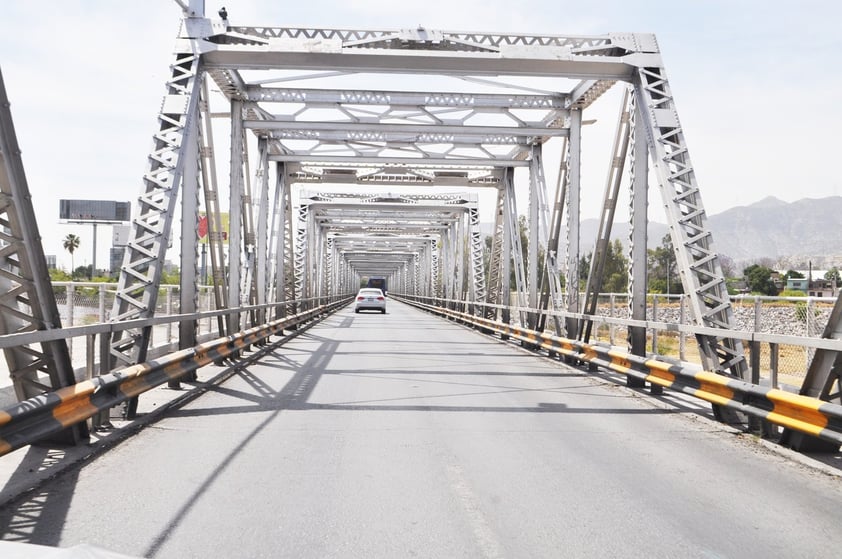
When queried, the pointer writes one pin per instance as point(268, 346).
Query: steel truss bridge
point(375, 172)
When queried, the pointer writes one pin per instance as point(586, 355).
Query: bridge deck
point(404, 435)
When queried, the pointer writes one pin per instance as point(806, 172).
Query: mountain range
point(783, 235)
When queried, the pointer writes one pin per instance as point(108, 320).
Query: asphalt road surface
point(404, 435)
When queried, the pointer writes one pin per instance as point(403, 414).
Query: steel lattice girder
point(439, 125)
point(27, 301)
point(404, 136)
point(698, 262)
point(140, 275)
point(379, 234)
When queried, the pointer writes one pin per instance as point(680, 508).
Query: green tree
point(171, 277)
point(759, 280)
point(523, 233)
point(71, 243)
point(726, 263)
point(59, 275)
point(585, 267)
point(84, 272)
point(663, 271)
point(834, 275)
point(615, 274)
point(792, 274)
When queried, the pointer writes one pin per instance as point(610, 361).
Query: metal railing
point(85, 309)
point(42, 416)
point(766, 403)
point(779, 334)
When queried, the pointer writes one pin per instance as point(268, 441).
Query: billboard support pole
point(93, 259)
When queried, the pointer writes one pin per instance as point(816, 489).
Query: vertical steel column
point(447, 263)
point(574, 174)
point(311, 277)
point(301, 251)
point(261, 233)
point(285, 276)
point(497, 258)
point(188, 294)
point(216, 240)
point(332, 267)
point(248, 280)
point(235, 213)
point(321, 264)
point(639, 218)
point(513, 252)
point(459, 242)
point(140, 275)
point(274, 247)
point(534, 246)
point(553, 289)
point(609, 205)
point(27, 301)
point(416, 274)
point(549, 285)
point(698, 262)
point(477, 254)
point(435, 268)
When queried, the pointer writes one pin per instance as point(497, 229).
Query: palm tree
point(70, 244)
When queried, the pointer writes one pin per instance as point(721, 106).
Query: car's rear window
point(370, 292)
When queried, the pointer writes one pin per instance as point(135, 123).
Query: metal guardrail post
point(767, 407)
point(44, 415)
point(809, 319)
point(168, 311)
point(755, 425)
point(654, 318)
point(102, 302)
point(682, 319)
point(71, 304)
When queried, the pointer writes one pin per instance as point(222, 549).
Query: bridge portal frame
point(214, 49)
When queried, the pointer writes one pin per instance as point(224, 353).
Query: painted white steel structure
point(307, 165)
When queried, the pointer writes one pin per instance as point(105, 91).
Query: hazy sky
point(758, 86)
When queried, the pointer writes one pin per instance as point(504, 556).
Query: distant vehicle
point(370, 299)
point(377, 283)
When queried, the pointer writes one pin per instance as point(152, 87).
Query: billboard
point(94, 210)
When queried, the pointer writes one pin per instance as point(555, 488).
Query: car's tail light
point(360, 298)
point(380, 299)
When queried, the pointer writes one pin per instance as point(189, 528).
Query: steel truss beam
point(406, 104)
point(384, 234)
point(421, 51)
point(619, 152)
point(213, 216)
point(698, 262)
point(140, 276)
point(27, 301)
point(389, 137)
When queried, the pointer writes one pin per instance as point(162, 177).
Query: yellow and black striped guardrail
point(36, 418)
point(801, 413)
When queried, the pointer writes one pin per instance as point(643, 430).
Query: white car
point(370, 298)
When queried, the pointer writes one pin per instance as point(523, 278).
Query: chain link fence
point(90, 303)
point(787, 316)
point(82, 304)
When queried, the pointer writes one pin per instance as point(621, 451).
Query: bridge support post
point(638, 214)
